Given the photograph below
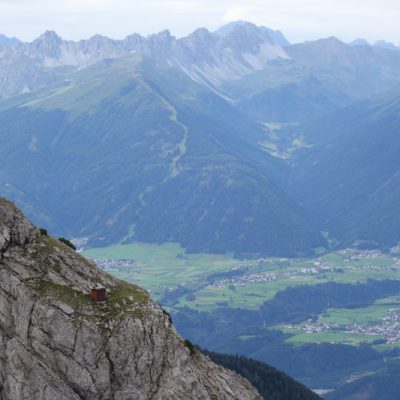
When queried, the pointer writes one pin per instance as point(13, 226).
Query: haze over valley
point(249, 184)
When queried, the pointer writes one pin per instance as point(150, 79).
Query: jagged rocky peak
point(46, 45)
point(229, 27)
point(162, 37)
point(48, 39)
point(160, 45)
point(250, 39)
point(201, 36)
point(275, 35)
point(57, 343)
point(247, 33)
point(197, 46)
point(100, 40)
point(97, 44)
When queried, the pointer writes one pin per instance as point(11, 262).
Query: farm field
point(378, 324)
point(207, 282)
point(160, 267)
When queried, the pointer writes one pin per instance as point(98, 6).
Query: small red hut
point(99, 293)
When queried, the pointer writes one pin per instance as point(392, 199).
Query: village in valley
point(229, 283)
point(388, 329)
point(319, 266)
point(111, 266)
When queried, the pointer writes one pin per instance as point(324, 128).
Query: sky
point(299, 20)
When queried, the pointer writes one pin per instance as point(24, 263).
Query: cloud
point(238, 13)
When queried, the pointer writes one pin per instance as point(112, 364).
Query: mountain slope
point(55, 343)
point(316, 78)
point(293, 101)
point(383, 385)
point(271, 383)
point(147, 154)
point(349, 178)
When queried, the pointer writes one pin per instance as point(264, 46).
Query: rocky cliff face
point(57, 344)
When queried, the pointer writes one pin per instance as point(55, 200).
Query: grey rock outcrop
point(57, 344)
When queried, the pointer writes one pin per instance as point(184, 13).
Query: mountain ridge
point(219, 61)
point(246, 48)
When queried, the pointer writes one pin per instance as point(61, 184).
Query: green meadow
point(209, 283)
point(300, 338)
point(160, 267)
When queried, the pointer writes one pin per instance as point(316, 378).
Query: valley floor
point(209, 284)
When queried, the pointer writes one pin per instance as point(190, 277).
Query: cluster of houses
point(107, 265)
point(389, 328)
point(319, 267)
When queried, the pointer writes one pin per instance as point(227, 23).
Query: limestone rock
point(57, 344)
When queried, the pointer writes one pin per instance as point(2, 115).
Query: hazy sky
point(298, 19)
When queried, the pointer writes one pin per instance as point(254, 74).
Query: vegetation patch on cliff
point(65, 294)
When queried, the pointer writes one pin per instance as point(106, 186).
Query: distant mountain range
point(261, 56)
point(227, 141)
point(6, 41)
point(380, 43)
point(208, 58)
